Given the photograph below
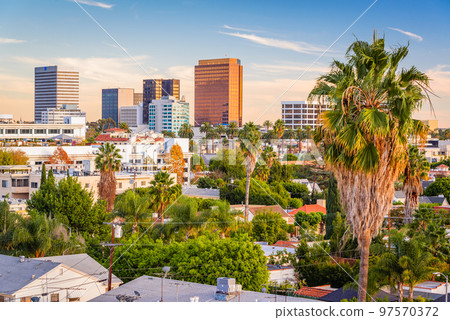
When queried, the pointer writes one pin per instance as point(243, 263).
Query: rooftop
point(148, 289)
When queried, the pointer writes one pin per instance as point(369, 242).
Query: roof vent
point(22, 259)
point(194, 299)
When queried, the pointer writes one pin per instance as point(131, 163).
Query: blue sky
point(276, 41)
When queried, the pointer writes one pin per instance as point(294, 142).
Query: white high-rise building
point(57, 116)
point(132, 115)
point(167, 114)
point(54, 87)
point(299, 114)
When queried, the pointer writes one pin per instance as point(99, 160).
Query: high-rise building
point(155, 89)
point(218, 91)
point(54, 87)
point(113, 99)
point(299, 114)
point(168, 114)
point(137, 98)
point(57, 116)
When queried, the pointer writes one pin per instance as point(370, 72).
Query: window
point(87, 185)
point(11, 131)
point(142, 183)
point(53, 131)
point(54, 297)
point(25, 299)
point(120, 185)
point(25, 131)
point(79, 161)
point(2, 299)
point(74, 299)
point(19, 182)
point(39, 131)
point(68, 131)
point(5, 183)
point(34, 185)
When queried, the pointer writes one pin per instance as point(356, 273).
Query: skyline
point(275, 46)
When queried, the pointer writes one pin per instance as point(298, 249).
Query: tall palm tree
point(289, 134)
point(268, 137)
point(278, 129)
point(33, 236)
point(299, 135)
point(108, 162)
point(269, 156)
point(221, 129)
point(211, 135)
point(133, 208)
point(163, 191)
point(186, 131)
point(268, 124)
point(416, 169)
point(232, 130)
point(365, 135)
point(250, 140)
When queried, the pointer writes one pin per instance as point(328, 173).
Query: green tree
point(10, 157)
point(438, 187)
point(278, 129)
point(232, 130)
point(333, 205)
point(186, 131)
point(168, 134)
point(365, 135)
point(269, 227)
point(163, 191)
point(268, 124)
point(416, 169)
point(108, 162)
point(249, 138)
point(133, 207)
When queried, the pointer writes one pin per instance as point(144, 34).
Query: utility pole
point(111, 249)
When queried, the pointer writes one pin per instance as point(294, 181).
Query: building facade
point(138, 96)
point(300, 114)
point(32, 131)
point(168, 114)
point(132, 115)
point(113, 99)
point(218, 91)
point(54, 87)
point(155, 89)
point(57, 116)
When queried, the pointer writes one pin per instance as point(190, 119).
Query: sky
point(283, 45)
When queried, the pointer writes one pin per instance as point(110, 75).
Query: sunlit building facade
point(218, 91)
point(155, 89)
point(300, 114)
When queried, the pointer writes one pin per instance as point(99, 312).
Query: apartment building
point(300, 114)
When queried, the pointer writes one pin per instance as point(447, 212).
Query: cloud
point(409, 34)
point(239, 29)
point(95, 4)
point(289, 68)
point(301, 47)
point(9, 40)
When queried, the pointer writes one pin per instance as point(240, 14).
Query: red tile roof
point(311, 292)
point(286, 244)
point(107, 137)
point(115, 130)
point(308, 208)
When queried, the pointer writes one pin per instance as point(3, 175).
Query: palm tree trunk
point(247, 194)
point(364, 266)
point(411, 292)
point(400, 291)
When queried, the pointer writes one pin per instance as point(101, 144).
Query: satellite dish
point(35, 299)
point(137, 293)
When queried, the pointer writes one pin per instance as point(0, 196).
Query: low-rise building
point(33, 131)
point(52, 279)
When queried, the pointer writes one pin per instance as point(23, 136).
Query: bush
point(295, 203)
point(206, 183)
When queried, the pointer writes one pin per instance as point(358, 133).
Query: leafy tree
point(269, 227)
point(176, 159)
point(280, 173)
point(163, 191)
point(341, 241)
point(261, 172)
point(333, 205)
point(200, 260)
point(197, 163)
point(295, 203)
point(297, 190)
point(206, 183)
point(60, 156)
point(124, 126)
point(12, 157)
point(438, 187)
point(184, 217)
point(108, 162)
point(416, 169)
point(133, 208)
point(290, 157)
point(308, 221)
point(168, 134)
point(366, 133)
point(230, 163)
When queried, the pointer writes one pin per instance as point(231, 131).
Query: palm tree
point(416, 169)
point(299, 135)
point(34, 236)
point(108, 162)
point(269, 156)
point(185, 218)
point(232, 130)
point(221, 129)
point(163, 191)
point(278, 129)
point(211, 135)
point(124, 126)
point(407, 263)
point(289, 134)
point(268, 124)
point(133, 208)
point(268, 137)
point(250, 139)
point(308, 136)
point(365, 135)
point(186, 131)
